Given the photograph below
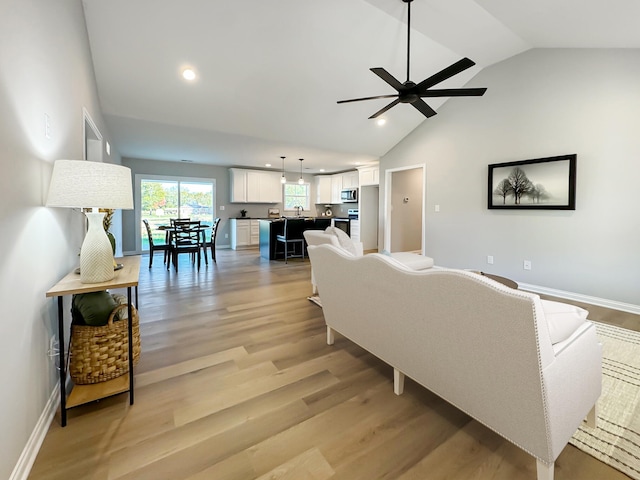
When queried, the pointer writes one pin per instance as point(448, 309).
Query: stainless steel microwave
point(349, 195)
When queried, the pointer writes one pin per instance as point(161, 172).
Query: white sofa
point(336, 237)
point(528, 369)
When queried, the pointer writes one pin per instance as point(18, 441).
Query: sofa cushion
point(563, 319)
point(412, 260)
point(343, 239)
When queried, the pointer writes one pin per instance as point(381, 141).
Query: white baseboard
point(31, 449)
point(601, 302)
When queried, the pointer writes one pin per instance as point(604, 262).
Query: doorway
point(92, 148)
point(404, 228)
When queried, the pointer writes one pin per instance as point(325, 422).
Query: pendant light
point(301, 180)
point(283, 179)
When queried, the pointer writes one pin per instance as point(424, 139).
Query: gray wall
point(538, 104)
point(45, 67)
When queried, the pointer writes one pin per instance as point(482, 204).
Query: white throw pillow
point(343, 239)
point(563, 319)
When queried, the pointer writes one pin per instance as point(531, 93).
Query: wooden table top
point(127, 276)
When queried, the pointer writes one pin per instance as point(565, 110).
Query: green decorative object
point(106, 223)
point(92, 308)
point(112, 239)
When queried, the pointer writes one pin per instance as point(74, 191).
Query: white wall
point(538, 104)
point(45, 67)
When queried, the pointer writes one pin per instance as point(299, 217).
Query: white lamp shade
point(85, 184)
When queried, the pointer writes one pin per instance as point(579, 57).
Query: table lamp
point(94, 185)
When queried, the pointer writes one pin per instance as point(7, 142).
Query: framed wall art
point(542, 183)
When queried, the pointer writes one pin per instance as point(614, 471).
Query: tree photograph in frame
point(542, 183)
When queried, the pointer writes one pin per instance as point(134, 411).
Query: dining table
point(169, 230)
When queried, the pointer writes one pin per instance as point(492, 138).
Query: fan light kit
point(410, 92)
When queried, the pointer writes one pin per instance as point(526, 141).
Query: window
point(296, 195)
point(162, 198)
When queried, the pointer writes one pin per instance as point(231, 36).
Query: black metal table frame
point(63, 360)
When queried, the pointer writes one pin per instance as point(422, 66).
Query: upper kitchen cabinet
point(336, 188)
point(323, 189)
point(369, 175)
point(350, 179)
point(254, 186)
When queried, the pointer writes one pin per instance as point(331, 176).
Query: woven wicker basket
point(98, 354)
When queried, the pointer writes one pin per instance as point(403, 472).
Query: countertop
point(281, 219)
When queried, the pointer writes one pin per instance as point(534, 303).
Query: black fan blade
point(454, 92)
point(423, 108)
point(442, 75)
point(367, 98)
point(382, 110)
point(387, 77)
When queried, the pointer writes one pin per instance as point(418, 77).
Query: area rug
point(616, 439)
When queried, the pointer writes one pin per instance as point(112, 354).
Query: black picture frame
point(538, 184)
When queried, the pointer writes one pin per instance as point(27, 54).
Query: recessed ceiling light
point(267, 164)
point(381, 121)
point(188, 74)
point(322, 169)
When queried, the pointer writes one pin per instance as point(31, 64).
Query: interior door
point(405, 200)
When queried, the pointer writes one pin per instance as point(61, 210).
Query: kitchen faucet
point(299, 209)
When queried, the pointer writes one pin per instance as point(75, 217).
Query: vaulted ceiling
point(269, 72)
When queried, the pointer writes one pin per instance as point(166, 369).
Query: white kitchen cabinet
point(238, 185)
point(244, 233)
point(254, 233)
point(336, 188)
point(323, 189)
point(255, 186)
point(369, 175)
point(355, 230)
point(350, 179)
point(240, 233)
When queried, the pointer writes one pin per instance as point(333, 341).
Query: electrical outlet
point(490, 259)
point(436, 208)
point(527, 265)
point(222, 207)
point(226, 235)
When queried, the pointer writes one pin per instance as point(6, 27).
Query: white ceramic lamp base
point(96, 254)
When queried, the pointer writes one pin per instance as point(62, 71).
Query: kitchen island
point(271, 228)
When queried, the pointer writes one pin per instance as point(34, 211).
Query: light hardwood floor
point(236, 381)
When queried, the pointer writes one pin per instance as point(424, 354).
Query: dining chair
point(292, 237)
point(214, 232)
point(172, 221)
point(186, 238)
point(153, 247)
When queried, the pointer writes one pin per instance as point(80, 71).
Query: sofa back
point(474, 342)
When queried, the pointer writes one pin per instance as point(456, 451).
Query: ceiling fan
point(410, 92)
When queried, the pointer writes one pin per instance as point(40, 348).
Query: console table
point(126, 277)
